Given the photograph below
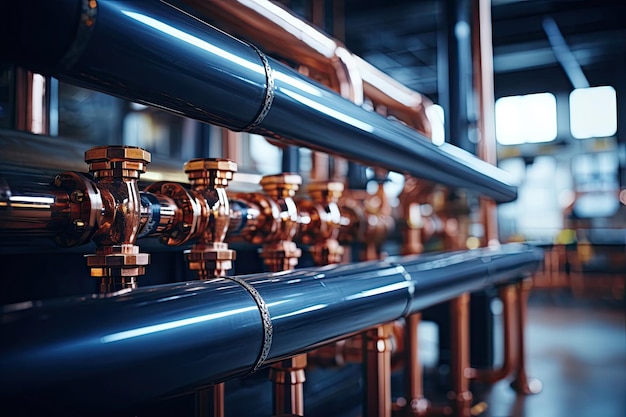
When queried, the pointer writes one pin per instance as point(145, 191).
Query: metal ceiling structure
point(400, 38)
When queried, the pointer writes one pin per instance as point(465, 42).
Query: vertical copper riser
point(377, 349)
point(460, 369)
point(508, 295)
point(522, 384)
point(416, 404)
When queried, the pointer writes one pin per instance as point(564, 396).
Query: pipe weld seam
point(411, 288)
point(268, 330)
point(85, 27)
point(269, 91)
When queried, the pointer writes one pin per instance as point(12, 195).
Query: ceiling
point(400, 38)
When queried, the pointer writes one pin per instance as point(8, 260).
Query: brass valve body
point(280, 252)
point(117, 259)
point(209, 177)
point(323, 222)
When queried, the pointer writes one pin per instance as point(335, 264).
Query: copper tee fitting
point(117, 260)
point(209, 177)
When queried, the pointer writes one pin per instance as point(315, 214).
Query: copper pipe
point(509, 303)
point(377, 349)
point(522, 384)
point(483, 84)
point(280, 32)
point(400, 101)
point(288, 379)
point(31, 102)
point(203, 403)
point(231, 145)
point(416, 404)
point(459, 364)
point(35, 210)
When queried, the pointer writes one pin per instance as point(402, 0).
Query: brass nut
point(223, 167)
point(325, 191)
point(281, 180)
point(115, 161)
point(217, 255)
point(211, 265)
point(117, 272)
point(117, 153)
point(281, 250)
point(325, 186)
point(285, 184)
point(119, 260)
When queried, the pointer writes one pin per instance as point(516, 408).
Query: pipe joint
point(209, 177)
point(320, 222)
point(279, 251)
point(117, 259)
point(82, 208)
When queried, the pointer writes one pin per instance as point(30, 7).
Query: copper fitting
point(416, 404)
point(117, 260)
point(280, 252)
point(288, 377)
point(320, 220)
point(185, 224)
point(366, 218)
point(509, 302)
point(461, 372)
point(209, 178)
point(377, 348)
point(522, 383)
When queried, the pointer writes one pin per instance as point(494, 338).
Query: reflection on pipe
point(116, 337)
point(33, 210)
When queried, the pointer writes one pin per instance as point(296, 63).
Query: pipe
point(33, 210)
point(282, 33)
point(223, 81)
point(136, 345)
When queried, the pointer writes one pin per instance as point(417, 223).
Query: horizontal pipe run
point(32, 210)
point(156, 341)
point(180, 64)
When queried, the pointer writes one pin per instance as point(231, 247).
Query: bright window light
point(526, 119)
point(593, 112)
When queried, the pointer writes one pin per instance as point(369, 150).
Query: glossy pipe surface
point(154, 341)
point(32, 210)
point(180, 64)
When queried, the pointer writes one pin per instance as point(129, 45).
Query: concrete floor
point(577, 348)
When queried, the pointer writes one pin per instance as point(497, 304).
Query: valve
point(280, 253)
point(117, 261)
point(323, 222)
point(209, 177)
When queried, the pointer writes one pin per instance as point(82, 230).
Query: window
point(526, 119)
point(593, 112)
